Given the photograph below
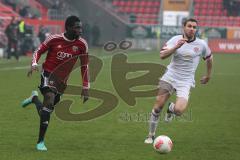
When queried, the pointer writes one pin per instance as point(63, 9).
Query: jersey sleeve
point(41, 50)
point(206, 53)
point(84, 67)
point(170, 43)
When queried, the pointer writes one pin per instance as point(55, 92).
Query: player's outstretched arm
point(205, 79)
point(43, 48)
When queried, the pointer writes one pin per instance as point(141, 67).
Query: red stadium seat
point(149, 4)
point(224, 12)
point(147, 21)
point(207, 1)
point(115, 3)
point(141, 10)
point(218, 13)
point(204, 6)
point(148, 10)
point(135, 3)
point(222, 21)
point(230, 21)
point(238, 23)
point(120, 10)
point(198, 1)
point(145, 10)
point(153, 16)
point(219, 1)
point(143, 3)
point(238, 19)
point(218, 6)
point(128, 3)
point(211, 6)
point(135, 10)
point(196, 12)
point(210, 12)
point(155, 10)
point(122, 3)
point(204, 12)
point(197, 6)
point(156, 3)
point(138, 20)
point(128, 9)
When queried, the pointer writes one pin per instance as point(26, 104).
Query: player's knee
point(178, 111)
point(157, 110)
point(48, 101)
point(158, 107)
point(180, 106)
point(47, 110)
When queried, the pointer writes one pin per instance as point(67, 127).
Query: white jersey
point(185, 60)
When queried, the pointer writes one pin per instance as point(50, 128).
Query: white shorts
point(182, 89)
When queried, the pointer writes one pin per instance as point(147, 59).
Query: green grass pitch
point(209, 130)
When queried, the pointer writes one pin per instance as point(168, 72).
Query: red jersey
point(62, 55)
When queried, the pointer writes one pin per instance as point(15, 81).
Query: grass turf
point(209, 130)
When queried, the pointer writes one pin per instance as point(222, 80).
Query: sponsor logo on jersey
point(51, 82)
point(63, 55)
point(196, 49)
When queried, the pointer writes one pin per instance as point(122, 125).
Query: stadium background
point(208, 130)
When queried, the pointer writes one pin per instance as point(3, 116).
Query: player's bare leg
point(162, 97)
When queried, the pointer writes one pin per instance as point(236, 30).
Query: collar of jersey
point(65, 38)
point(190, 40)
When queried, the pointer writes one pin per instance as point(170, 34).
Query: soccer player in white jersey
point(186, 51)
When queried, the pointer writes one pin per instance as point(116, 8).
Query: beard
point(190, 36)
point(76, 36)
point(73, 35)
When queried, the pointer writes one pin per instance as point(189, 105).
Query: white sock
point(171, 107)
point(153, 122)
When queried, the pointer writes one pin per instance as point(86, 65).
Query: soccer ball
point(162, 144)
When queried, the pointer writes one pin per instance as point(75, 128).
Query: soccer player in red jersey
point(63, 50)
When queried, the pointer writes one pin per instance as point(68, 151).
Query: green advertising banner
point(140, 31)
point(212, 33)
point(166, 32)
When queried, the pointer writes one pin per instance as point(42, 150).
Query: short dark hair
point(70, 21)
point(189, 20)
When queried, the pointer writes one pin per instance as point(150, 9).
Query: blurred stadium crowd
point(25, 23)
